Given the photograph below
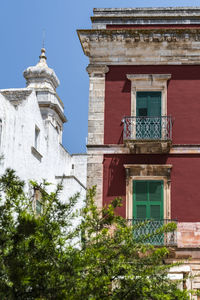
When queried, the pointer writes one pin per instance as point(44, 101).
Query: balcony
point(142, 228)
point(148, 134)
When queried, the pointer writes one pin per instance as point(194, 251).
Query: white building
point(31, 128)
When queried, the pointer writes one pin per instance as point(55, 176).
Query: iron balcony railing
point(148, 128)
point(148, 231)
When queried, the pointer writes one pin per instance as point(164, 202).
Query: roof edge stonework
point(128, 46)
point(147, 16)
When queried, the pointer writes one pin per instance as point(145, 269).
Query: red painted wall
point(185, 182)
point(183, 101)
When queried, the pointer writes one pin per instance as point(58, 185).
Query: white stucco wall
point(19, 118)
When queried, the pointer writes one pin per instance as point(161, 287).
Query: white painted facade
point(31, 126)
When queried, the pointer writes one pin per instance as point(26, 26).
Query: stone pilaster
point(95, 175)
point(96, 104)
point(96, 127)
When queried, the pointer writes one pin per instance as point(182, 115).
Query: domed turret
point(41, 76)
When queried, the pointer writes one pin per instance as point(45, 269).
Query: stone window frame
point(148, 172)
point(149, 83)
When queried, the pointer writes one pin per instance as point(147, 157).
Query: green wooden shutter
point(148, 104)
point(142, 104)
point(140, 199)
point(155, 189)
point(141, 211)
point(148, 199)
point(154, 104)
point(148, 204)
point(141, 111)
point(141, 190)
point(154, 110)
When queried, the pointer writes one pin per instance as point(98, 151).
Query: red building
point(144, 118)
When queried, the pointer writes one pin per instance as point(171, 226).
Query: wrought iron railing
point(149, 231)
point(148, 128)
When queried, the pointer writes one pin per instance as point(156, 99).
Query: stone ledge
point(71, 177)
point(148, 147)
point(36, 153)
point(122, 149)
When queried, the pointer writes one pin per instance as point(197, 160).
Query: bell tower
point(44, 81)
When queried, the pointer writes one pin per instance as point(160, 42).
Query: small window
point(38, 207)
point(37, 135)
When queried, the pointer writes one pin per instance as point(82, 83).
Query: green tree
point(42, 256)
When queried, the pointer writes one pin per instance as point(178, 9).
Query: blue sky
point(21, 30)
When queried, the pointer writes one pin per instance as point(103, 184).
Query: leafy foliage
point(42, 257)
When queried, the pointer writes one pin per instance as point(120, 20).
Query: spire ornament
point(43, 57)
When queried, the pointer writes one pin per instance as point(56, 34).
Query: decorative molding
point(148, 147)
point(47, 91)
point(16, 96)
point(121, 149)
point(54, 107)
point(149, 82)
point(149, 77)
point(148, 172)
point(97, 70)
point(141, 46)
point(138, 35)
point(185, 149)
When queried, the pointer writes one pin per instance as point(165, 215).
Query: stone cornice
point(135, 166)
point(97, 69)
point(137, 35)
point(54, 107)
point(180, 149)
point(15, 96)
point(46, 90)
point(128, 46)
point(147, 170)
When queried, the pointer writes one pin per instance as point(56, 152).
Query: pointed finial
point(43, 56)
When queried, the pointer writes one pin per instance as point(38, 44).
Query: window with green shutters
point(148, 113)
point(148, 205)
point(148, 199)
